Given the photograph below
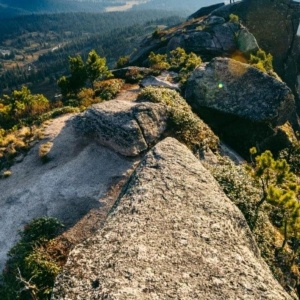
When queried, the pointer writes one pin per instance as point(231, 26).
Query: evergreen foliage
point(94, 68)
point(279, 187)
point(30, 270)
point(178, 60)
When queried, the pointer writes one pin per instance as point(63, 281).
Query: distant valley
point(9, 8)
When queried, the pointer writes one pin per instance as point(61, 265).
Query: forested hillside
point(34, 49)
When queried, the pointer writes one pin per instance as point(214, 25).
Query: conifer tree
point(96, 67)
point(279, 188)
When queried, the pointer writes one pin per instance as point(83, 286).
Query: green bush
point(108, 89)
point(234, 18)
point(21, 107)
point(122, 62)
point(262, 61)
point(178, 60)
point(183, 123)
point(30, 271)
point(237, 185)
point(158, 61)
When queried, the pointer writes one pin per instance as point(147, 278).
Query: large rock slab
point(236, 88)
point(173, 234)
point(243, 105)
point(129, 128)
point(74, 181)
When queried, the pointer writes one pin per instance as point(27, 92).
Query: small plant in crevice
point(31, 268)
point(234, 18)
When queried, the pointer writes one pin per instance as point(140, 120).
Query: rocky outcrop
point(74, 181)
point(126, 127)
point(246, 104)
point(172, 234)
point(274, 24)
point(207, 36)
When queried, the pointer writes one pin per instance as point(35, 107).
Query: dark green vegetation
point(267, 193)
point(93, 69)
point(32, 265)
point(35, 48)
point(178, 61)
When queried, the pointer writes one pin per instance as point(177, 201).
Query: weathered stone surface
point(71, 184)
point(243, 105)
point(126, 127)
point(172, 235)
point(238, 89)
point(247, 42)
point(156, 81)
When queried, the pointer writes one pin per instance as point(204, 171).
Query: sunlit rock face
point(274, 24)
point(241, 102)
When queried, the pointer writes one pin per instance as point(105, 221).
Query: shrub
point(21, 107)
point(178, 61)
point(6, 173)
point(108, 89)
point(122, 62)
point(86, 97)
point(262, 61)
point(44, 151)
point(234, 18)
point(183, 123)
point(238, 186)
point(134, 75)
point(158, 61)
point(245, 192)
point(30, 271)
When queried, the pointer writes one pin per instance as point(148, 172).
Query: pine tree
point(96, 67)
